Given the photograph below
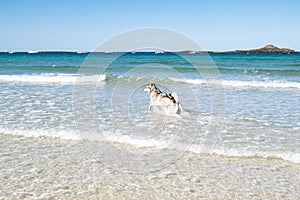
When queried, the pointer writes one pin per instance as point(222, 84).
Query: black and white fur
point(168, 103)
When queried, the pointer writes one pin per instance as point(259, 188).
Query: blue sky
point(82, 25)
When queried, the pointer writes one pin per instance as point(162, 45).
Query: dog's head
point(149, 88)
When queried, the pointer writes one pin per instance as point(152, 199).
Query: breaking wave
point(49, 78)
point(293, 157)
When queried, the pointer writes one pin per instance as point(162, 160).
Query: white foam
point(65, 135)
point(163, 144)
point(288, 156)
point(235, 83)
point(137, 142)
point(73, 135)
point(32, 52)
point(53, 78)
point(293, 157)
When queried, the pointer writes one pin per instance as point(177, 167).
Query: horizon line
point(160, 52)
point(150, 50)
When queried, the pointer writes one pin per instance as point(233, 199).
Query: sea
point(234, 104)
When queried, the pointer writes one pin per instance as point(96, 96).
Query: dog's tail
point(174, 95)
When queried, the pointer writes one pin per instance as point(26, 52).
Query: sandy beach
point(40, 168)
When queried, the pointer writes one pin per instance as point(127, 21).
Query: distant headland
point(266, 49)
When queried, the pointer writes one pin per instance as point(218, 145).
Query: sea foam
point(53, 78)
point(64, 135)
point(288, 156)
point(235, 83)
point(293, 157)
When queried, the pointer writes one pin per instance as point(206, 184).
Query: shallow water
point(234, 104)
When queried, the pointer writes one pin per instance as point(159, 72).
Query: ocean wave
point(138, 142)
point(293, 157)
point(53, 78)
point(285, 70)
point(49, 78)
point(65, 135)
point(220, 82)
point(236, 83)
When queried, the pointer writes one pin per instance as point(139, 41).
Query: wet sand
point(43, 168)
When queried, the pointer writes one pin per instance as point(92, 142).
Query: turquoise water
point(245, 104)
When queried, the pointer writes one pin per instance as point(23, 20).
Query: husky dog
point(169, 103)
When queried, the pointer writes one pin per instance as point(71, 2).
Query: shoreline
point(43, 168)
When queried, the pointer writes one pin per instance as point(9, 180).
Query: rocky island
point(267, 49)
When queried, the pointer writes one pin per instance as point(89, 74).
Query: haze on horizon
point(82, 25)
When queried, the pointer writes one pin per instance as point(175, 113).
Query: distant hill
point(267, 49)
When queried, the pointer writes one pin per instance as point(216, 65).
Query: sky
point(72, 25)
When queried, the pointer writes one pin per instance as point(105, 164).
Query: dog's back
point(169, 103)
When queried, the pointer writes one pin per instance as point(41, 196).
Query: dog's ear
point(152, 85)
